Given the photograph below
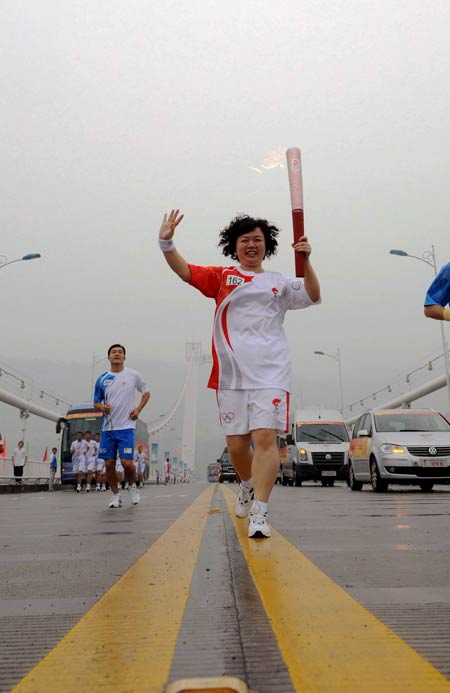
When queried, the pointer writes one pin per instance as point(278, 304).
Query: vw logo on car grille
point(432, 451)
point(328, 457)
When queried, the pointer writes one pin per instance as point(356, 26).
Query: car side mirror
point(363, 433)
point(289, 439)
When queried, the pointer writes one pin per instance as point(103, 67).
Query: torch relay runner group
point(251, 372)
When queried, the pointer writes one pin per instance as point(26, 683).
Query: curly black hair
point(242, 224)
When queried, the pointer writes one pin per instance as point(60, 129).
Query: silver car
point(402, 446)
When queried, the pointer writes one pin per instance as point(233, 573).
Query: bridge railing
point(33, 469)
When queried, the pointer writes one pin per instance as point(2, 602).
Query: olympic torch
point(294, 166)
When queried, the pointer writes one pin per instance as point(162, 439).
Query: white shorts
point(91, 464)
point(119, 466)
point(242, 411)
point(140, 467)
point(79, 465)
point(100, 466)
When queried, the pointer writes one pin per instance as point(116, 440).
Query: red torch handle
point(299, 231)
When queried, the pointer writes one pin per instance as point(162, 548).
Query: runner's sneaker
point(115, 502)
point(141, 485)
point(78, 488)
point(134, 495)
point(103, 488)
point(88, 488)
point(258, 525)
point(97, 488)
point(243, 501)
point(126, 487)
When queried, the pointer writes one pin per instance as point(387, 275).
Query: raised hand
point(170, 223)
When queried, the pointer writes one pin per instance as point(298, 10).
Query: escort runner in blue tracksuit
point(114, 396)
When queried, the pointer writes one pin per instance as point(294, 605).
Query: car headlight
point(393, 449)
point(303, 455)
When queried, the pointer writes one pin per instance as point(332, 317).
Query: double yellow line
point(126, 641)
point(329, 642)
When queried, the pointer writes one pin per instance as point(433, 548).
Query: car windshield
point(411, 421)
point(322, 433)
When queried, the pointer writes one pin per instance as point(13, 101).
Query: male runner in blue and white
point(114, 396)
point(437, 299)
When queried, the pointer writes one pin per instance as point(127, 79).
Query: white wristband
point(166, 244)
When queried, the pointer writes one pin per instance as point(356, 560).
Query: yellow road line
point(127, 640)
point(328, 640)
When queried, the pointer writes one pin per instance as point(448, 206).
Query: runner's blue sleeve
point(99, 391)
point(439, 290)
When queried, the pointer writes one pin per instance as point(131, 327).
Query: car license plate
point(329, 473)
point(427, 462)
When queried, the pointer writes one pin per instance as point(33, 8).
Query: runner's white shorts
point(100, 465)
point(91, 464)
point(242, 411)
point(79, 464)
point(140, 467)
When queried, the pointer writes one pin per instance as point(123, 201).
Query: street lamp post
point(29, 256)
point(429, 258)
point(336, 357)
point(94, 363)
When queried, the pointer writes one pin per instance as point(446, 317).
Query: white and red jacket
point(249, 346)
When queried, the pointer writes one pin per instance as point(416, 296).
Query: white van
point(317, 448)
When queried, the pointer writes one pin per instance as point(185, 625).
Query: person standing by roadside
point(53, 468)
point(19, 459)
point(167, 471)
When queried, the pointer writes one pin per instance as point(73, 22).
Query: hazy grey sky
point(112, 112)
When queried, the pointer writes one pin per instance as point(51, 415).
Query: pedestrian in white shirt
point(19, 459)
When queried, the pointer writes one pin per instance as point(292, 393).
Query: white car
point(401, 446)
point(317, 448)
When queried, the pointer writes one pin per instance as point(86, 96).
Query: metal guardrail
point(33, 469)
point(25, 481)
